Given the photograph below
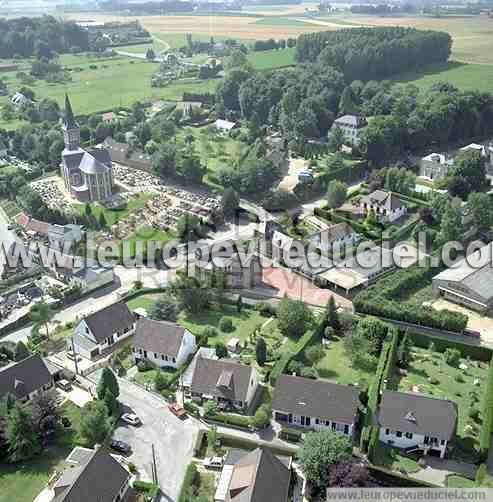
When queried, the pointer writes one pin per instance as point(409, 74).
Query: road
point(173, 439)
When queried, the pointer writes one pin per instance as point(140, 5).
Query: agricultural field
point(467, 77)
point(103, 84)
point(267, 60)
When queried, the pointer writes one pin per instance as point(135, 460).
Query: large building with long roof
point(87, 174)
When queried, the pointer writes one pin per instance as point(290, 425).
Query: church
point(87, 174)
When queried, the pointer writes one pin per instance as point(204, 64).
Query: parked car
point(213, 462)
point(64, 385)
point(131, 419)
point(120, 447)
point(177, 410)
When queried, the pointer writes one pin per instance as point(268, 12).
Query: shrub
point(452, 357)
point(266, 309)
point(314, 354)
point(192, 408)
point(308, 372)
point(474, 414)
point(221, 350)
point(226, 325)
point(210, 408)
point(143, 365)
point(459, 378)
point(261, 419)
point(132, 468)
point(189, 481)
point(149, 489)
point(160, 381)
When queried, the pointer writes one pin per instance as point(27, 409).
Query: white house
point(435, 166)
point(97, 333)
point(417, 422)
point(164, 344)
point(227, 382)
point(26, 379)
point(352, 126)
point(315, 404)
point(224, 126)
point(386, 205)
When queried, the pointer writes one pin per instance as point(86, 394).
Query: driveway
point(437, 470)
point(173, 439)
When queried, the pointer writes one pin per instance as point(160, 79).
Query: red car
point(177, 410)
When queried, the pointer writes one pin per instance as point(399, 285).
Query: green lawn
point(266, 60)
point(429, 373)
point(146, 378)
point(145, 234)
point(24, 481)
point(214, 149)
point(143, 302)
point(115, 82)
point(454, 481)
point(391, 458)
point(337, 366)
point(114, 215)
point(467, 77)
point(244, 322)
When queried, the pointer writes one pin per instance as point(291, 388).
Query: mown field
point(267, 60)
point(467, 77)
point(103, 84)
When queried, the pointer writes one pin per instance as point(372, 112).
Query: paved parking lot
point(173, 439)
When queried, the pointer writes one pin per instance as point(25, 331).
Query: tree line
point(374, 53)
point(40, 37)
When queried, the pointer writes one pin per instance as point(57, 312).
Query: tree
point(336, 194)
point(45, 409)
point(150, 54)
point(399, 180)
point(331, 316)
point(404, 351)
point(41, 314)
point(21, 351)
point(262, 417)
point(261, 351)
point(108, 382)
point(230, 202)
point(165, 308)
point(190, 293)
point(221, 350)
point(164, 160)
point(189, 228)
point(94, 424)
point(160, 381)
point(111, 402)
point(236, 59)
point(471, 167)
point(480, 206)
point(347, 103)
point(294, 317)
point(336, 139)
point(102, 221)
point(348, 472)
point(319, 451)
point(451, 228)
point(314, 354)
point(373, 330)
point(210, 408)
point(21, 437)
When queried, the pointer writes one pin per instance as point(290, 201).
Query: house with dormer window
point(162, 343)
point(387, 206)
point(417, 422)
point(98, 333)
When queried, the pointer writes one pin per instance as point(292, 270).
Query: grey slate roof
point(384, 199)
point(72, 158)
point(351, 120)
point(98, 479)
point(101, 155)
point(259, 477)
point(162, 337)
point(418, 414)
point(209, 372)
point(91, 165)
point(24, 377)
point(68, 116)
point(316, 398)
point(109, 320)
point(479, 279)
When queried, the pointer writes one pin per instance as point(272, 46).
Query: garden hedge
point(190, 479)
point(384, 299)
point(487, 427)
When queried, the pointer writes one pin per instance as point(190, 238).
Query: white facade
point(401, 439)
point(313, 423)
point(86, 345)
point(383, 214)
point(187, 348)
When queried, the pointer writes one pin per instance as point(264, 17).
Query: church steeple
point(71, 131)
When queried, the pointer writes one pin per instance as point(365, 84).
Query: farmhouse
point(224, 126)
point(92, 475)
point(386, 205)
point(469, 282)
point(340, 234)
point(26, 379)
point(97, 333)
point(435, 166)
point(229, 383)
point(352, 126)
point(315, 404)
point(87, 174)
point(417, 422)
point(256, 476)
point(234, 273)
point(164, 344)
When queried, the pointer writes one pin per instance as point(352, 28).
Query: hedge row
point(282, 363)
point(235, 420)
point(150, 489)
point(487, 427)
point(190, 479)
point(382, 300)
